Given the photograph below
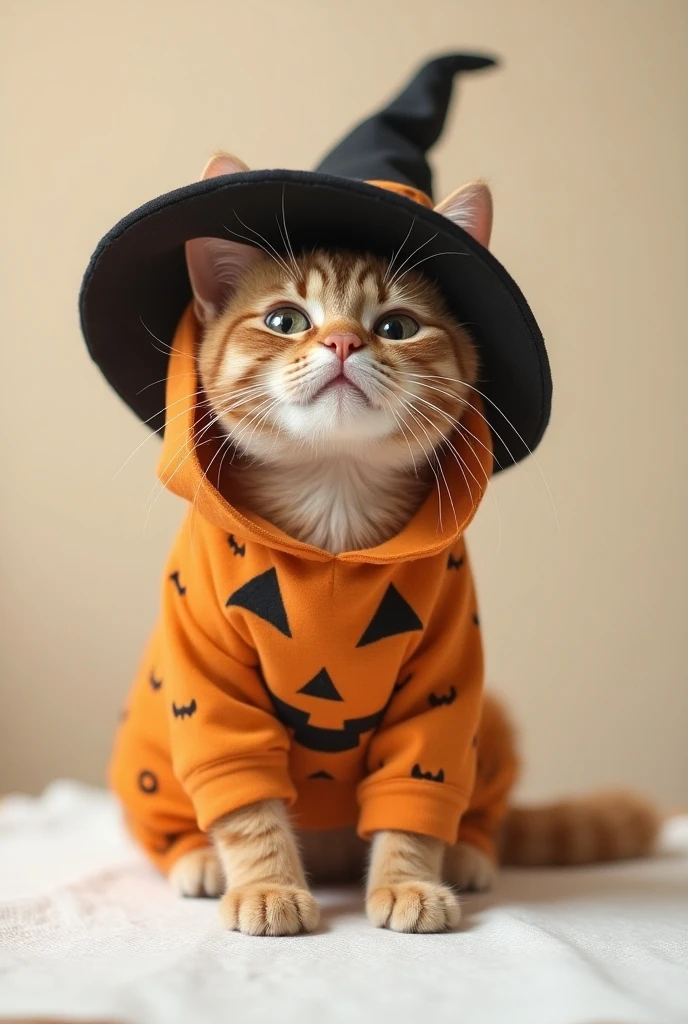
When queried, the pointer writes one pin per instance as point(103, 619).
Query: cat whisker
point(447, 441)
point(155, 433)
point(413, 413)
point(176, 376)
point(457, 424)
point(215, 416)
point(158, 487)
point(398, 251)
point(451, 252)
point(439, 464)
point(497, 434)
point(403, 432)
point(456, 398)
point(285, 237)
point(428, 457)
point(166, 349)
point(409, 257)
point(268, 248)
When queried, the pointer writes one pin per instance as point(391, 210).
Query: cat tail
point(606, 826)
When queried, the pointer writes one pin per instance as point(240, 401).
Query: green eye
point(397, 327)
point(287, 320)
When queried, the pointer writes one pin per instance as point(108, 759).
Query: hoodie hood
point(181, 472)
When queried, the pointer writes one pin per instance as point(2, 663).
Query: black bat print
point(416, 773)
point(402, 683)
point(238, 549)
point(168, 842)
point(436, 700)
point(185, 711)
point(454, 563)
point(174, 576)
point(155, 683)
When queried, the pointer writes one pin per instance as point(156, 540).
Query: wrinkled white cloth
point(89, 931)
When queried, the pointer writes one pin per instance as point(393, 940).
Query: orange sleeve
point(421, 763)
point(228, 749)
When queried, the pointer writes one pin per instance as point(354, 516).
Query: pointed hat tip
point(465, 61)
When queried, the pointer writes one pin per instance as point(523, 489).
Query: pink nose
point(342, 344)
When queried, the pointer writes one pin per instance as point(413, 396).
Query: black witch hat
point(136, 286)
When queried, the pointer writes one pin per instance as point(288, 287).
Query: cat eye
point(287, 320)
point(397, 327)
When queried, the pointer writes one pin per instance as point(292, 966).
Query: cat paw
point(269, 910)
point(468, 868)
point(414, 907)
point(198, 873)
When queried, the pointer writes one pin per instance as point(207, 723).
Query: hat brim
point(136, 286)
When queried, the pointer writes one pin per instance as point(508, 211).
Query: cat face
point(332, 354)
point(327, 353)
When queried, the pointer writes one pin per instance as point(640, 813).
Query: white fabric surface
point(88, 930)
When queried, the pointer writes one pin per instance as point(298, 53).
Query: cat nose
point(342, 344)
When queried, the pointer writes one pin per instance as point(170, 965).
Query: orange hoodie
point(348, 685)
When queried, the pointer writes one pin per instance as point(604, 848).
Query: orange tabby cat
point(336, 377)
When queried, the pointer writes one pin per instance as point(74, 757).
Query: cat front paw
point(269, 910)
point(414, 907)
point(468, 868)
point(198, 873)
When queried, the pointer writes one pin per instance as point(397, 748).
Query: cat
point(336, 379)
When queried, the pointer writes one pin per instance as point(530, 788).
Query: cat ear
point(470, 207)
point(216, 265)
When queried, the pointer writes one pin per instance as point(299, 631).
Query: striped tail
point(585, 830)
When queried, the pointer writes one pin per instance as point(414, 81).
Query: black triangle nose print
point(174, 576)
point(148, 782)
point(394, 615)
point(262, 596)
point(321, 775)
point(184, 710)
point(417, 773)
point(237, 548)
point(155, 683)
point(454, 563)
point(321, 686)
point(436, 700)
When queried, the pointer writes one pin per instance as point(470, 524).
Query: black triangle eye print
point(147, 782)
point(417, 773)
point(184, 710)
point(155, 683)
point(476, 620)
point(321, 686)
point(394, 615)
point(174, 576)
point(237, 548)
point(454, 563)
point(262, 596)
point(436, 700)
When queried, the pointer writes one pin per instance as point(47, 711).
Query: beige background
point(583, 137)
